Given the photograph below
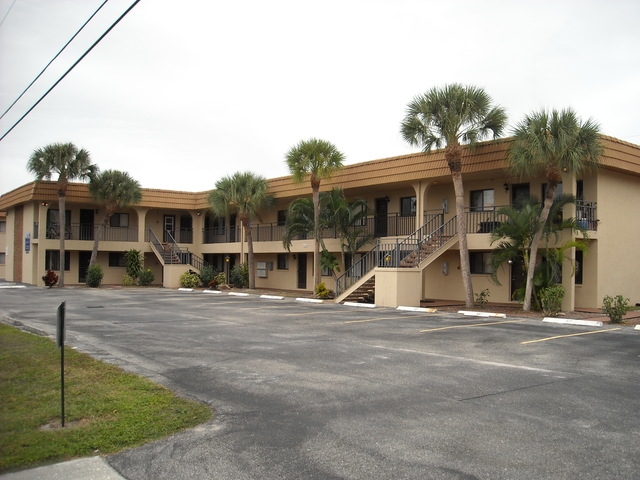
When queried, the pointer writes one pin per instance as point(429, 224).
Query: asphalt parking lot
point(325, 391)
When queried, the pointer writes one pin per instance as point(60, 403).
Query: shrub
point(50, 279)
point(323, 292)
point(94, 276)
point(133, 261)
point(239, 275)
point(220, 278)
point(146, 277)
point(482, 298)
point(551, 299)
point(615, 307)
point(207, 274)
point(127, 280)
point(189, 279)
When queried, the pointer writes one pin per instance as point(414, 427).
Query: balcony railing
point(88, 232)
point(221, 235)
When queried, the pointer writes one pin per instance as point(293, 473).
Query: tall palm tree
point(69, 163)
point(317, 160)
point(452, 116)
point(244, 194)
point(552, 142)
point(114, 189)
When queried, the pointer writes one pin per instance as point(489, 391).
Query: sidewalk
point(90, 468)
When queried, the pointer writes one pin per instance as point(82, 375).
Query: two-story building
point(414, 252)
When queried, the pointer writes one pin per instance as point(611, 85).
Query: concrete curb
point(361, 305)
point(572, 321)
point(238, 294)
point(417, 309)
point(637, 327)
point(183, 289)
point(482, 314)
point(217, 292)
point(309, 300)
point(272, 297)
point(13, 286)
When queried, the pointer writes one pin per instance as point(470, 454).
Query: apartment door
point(382, 205)
point(169, 228)
point(302, 270)
point(83, 265)
point(518, 276)
point(86, 224)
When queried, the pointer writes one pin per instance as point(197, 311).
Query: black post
point(60, 343)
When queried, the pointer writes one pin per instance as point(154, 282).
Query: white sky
point(182, 93)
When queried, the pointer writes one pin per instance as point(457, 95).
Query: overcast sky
point(182, 93)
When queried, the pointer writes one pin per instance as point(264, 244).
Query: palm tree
point(245, 194)
point(316, 159)
point(114, 189)
point(453, 116)
point(516, 231)
point(552, 142)
point(69, 163)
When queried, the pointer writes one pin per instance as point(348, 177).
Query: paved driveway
point(321, 391)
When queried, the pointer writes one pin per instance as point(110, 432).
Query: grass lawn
point(106, 409)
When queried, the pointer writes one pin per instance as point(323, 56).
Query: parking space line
point(470, 325)
point(569, 335)
point(383, 318)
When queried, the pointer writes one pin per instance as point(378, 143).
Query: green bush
point(189, 279)
point(323, 292)
point(551, 299)
point(207, 274)
point(220, 278)
point(239, 275)
point(146, 277)
point(94, 276)
point(133, 261)
point(482, 298)
point(127, 280)
point(615, 307)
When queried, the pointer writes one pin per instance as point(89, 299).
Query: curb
point(182, 289)
point(272, 297)
point(572, 321)
point(417, 309)
point(482, 314)
point(217, 292)
point(309, 300)
point(361, 305)
point(238, 294)
point(637, 327)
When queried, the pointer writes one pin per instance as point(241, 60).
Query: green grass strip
point(106, 409)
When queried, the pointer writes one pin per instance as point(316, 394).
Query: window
point(579, 266)
point(3, 226)
point(282, 217)
point(482, 200)
point(116, 259)
point(283, 261)
point(480, 262)
point(119, 220)
point(52, 260)
point(2, 258)
point(408, 206)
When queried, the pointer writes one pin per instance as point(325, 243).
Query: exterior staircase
point(170, 253)
point(364, 293)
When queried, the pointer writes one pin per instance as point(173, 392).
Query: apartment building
point(414, 252)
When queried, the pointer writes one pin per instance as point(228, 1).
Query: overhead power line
point(51, 61)
point(71, 68)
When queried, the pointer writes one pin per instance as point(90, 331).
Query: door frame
point(301, 271)
point(165, 238)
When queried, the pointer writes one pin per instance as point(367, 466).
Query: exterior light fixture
point(506, 187)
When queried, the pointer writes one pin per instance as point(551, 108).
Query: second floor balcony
point(88, 232)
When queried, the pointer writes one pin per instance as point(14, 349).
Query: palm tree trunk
point(62, 205)
point(252, 260)
point(96, 241)
point(465, 266)
point(535, 243)
point(316, 222)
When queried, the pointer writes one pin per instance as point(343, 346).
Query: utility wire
point(7, 14)
point(57, 54)
point(70, 68)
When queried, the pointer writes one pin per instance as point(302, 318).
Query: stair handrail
point(176, 252)
point(413, 243)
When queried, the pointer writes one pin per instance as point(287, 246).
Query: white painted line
point(212, 291)
point(637, 327)
point(272, 297)
point(309, 300)
point(239, 294)
point(358, 304)
point(182, 289)
point(482, 314)
point(417, 309)
point(571, 321)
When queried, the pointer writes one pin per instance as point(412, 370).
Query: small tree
point(94, 276)
point(615, 307)
point(134, 262)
